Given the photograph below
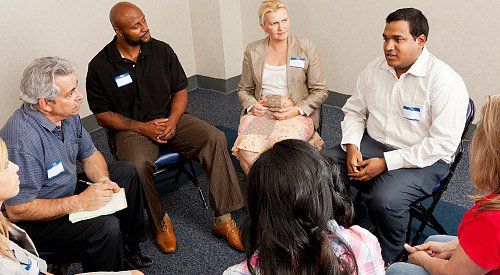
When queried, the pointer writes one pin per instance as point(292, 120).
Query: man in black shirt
point(136, 87)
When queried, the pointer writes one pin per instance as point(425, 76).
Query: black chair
point(169, 160)
point(425, 214)
point(320, 122)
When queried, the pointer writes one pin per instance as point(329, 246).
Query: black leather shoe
point(135, 260)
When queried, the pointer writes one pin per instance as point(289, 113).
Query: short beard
point(133, 42)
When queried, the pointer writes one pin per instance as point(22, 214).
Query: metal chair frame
point(180, 166)
point(425, 214)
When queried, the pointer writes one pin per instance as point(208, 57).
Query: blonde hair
point(4, 247)
point(485, 155)
point(269, 6)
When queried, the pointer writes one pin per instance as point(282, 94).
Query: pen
point(87, 182)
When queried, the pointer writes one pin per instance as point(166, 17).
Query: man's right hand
point(96, 195)
point(153, 129)
point(353, 158)
point(258, 109)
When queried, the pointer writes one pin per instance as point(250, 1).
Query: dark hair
point(292, 193)
point(415, 18)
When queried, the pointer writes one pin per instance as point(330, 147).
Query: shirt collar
point(419, 67)
point(39, 117)
point(115, 56)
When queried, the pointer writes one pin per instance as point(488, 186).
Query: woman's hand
point(435, 249)
point(418, 257)
point(258, 109)
point(286, 113)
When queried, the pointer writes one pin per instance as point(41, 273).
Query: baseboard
point(225, 86)
point(228, 86)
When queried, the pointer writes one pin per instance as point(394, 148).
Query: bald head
point(120, 12)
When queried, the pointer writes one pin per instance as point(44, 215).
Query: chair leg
point(194, 179)
point(178, 175)
point(434, 224)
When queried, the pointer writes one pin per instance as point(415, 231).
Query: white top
point(274, 80)
point(422, 114)
point(26, 260)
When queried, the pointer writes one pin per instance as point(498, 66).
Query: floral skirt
point(257, 134)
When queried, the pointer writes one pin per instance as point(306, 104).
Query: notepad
point(117, 203)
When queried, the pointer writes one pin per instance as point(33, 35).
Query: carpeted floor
point(200, 252)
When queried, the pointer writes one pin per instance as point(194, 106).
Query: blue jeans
point(411, 269)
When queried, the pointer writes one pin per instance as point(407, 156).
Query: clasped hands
point(159, 130)
point(363, 170)
point(284, 113)
point(441, 250)
point(98, 194)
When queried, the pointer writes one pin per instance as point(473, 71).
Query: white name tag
point(297, 62)
point(54, 170)
point(123, 79)
point(411, 113)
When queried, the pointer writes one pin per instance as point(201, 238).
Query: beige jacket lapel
point(258, 60)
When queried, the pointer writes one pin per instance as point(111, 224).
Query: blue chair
point(425, 214)
point(169, 160)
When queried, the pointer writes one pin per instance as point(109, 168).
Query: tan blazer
point(306, 86)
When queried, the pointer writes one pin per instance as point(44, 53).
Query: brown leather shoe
point(230, 232)
point(165, 238)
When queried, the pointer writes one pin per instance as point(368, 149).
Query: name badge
point(55, 169)
point(411, 113)
point(123, 79)
point(297, 62)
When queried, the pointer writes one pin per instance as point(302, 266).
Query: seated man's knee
point(127, 169)
point(143, 165)
point(219, 137)
point(385, 201)
point(107, 229)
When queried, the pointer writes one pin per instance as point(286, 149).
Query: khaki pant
point(194, 138)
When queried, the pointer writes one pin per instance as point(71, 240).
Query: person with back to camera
point(299, 217)
point(477, 248)
point(281, 88)
point(18, 254)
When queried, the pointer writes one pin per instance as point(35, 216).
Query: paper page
point(117, 203)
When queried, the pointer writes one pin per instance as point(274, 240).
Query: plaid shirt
point(364, 245)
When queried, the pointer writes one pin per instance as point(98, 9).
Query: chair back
point(320, 122)
point(443, 185)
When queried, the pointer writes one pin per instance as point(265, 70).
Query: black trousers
point(385, 200)
point(97, 243)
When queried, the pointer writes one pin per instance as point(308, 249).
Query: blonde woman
point(281, 88)
point(477, 248)
point(13, 258)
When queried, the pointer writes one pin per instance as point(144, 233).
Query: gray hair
point(38, 79)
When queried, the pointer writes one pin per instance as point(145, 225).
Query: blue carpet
point(199, 252)
point(448, 214)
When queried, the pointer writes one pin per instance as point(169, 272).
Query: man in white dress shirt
point(401, 128)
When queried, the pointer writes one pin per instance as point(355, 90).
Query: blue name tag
point(123, 79)
point(55, 169)
point(297, 62)
point(411, 113)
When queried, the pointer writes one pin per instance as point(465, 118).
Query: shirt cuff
point(394, 160)
point(346, 141)
point(302, 113)
point(249, 108)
